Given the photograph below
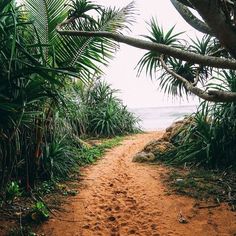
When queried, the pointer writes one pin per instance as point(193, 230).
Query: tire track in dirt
point(118, 198)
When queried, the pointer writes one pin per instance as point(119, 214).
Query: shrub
point(102, 113)
point(209, 140)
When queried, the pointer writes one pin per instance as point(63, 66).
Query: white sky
point(141, 91)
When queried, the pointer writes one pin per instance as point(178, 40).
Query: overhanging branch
point(161, 48)
point(211, 95)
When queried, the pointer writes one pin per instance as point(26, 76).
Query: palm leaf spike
point(80, 7)
point(203, 46)
point(157, 35)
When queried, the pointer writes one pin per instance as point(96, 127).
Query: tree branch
point(190, 18)
point(161, 48)
point(211, 95)
point(187, 3)
point(212, 13)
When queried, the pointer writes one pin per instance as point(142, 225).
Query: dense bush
point(37, 65)
point(29, 91)
point(101, 113)
point(210, 138)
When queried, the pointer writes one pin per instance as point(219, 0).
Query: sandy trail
point(118, 197)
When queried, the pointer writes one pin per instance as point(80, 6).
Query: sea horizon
point(160, 117)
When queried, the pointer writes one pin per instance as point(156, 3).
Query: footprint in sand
point(117, 208)
point(111, 218)
point(127, 199)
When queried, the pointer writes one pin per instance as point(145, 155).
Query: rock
point(173, 125)
point(144, 157)
point(166, 137)
point(157, 147)
point(154, 149)
point(179, 180)
point(173, 130)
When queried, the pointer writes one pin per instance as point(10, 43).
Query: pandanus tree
point(27, 84)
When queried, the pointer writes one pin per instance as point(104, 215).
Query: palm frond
point(88, 53)
point(157, 35)
point(81, 54)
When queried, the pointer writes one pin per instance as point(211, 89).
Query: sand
point(119, 197)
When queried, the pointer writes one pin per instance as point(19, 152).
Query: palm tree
point(80, 54)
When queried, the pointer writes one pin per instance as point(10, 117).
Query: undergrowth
point(47, 194)
point(204, 185)
point(209, 140)
point(87, 155)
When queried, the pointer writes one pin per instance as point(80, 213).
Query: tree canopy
point(217, 22)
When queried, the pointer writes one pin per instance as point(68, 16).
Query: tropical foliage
point(157, 35)
point(77, 53)
point(29, 89)
point(101, 113)
point(162, 45)
point(155, 63)
point(39, 69)
point(184, 68)
point(209, 139)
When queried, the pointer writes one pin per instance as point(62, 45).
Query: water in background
point(159, 118)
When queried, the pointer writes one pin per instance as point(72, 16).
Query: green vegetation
point(12, 191)
point(204, 67)
point(47, 194)
point(40, 212)
point(88, 155)
point(204, 185)
point(43, 114)
point(208, 140)
point(51, 55)
point(43, 78)
point(101, 113)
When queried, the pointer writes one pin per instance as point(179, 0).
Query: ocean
point(159, 118)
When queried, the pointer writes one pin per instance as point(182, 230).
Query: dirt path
point(118, 197)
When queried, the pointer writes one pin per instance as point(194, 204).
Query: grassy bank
point(210, 188)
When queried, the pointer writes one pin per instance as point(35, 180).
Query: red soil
point(119, 197)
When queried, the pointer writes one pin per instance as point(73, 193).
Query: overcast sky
point(141, 91)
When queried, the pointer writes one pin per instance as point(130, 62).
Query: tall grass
point(28, 89)
point(210, 139)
